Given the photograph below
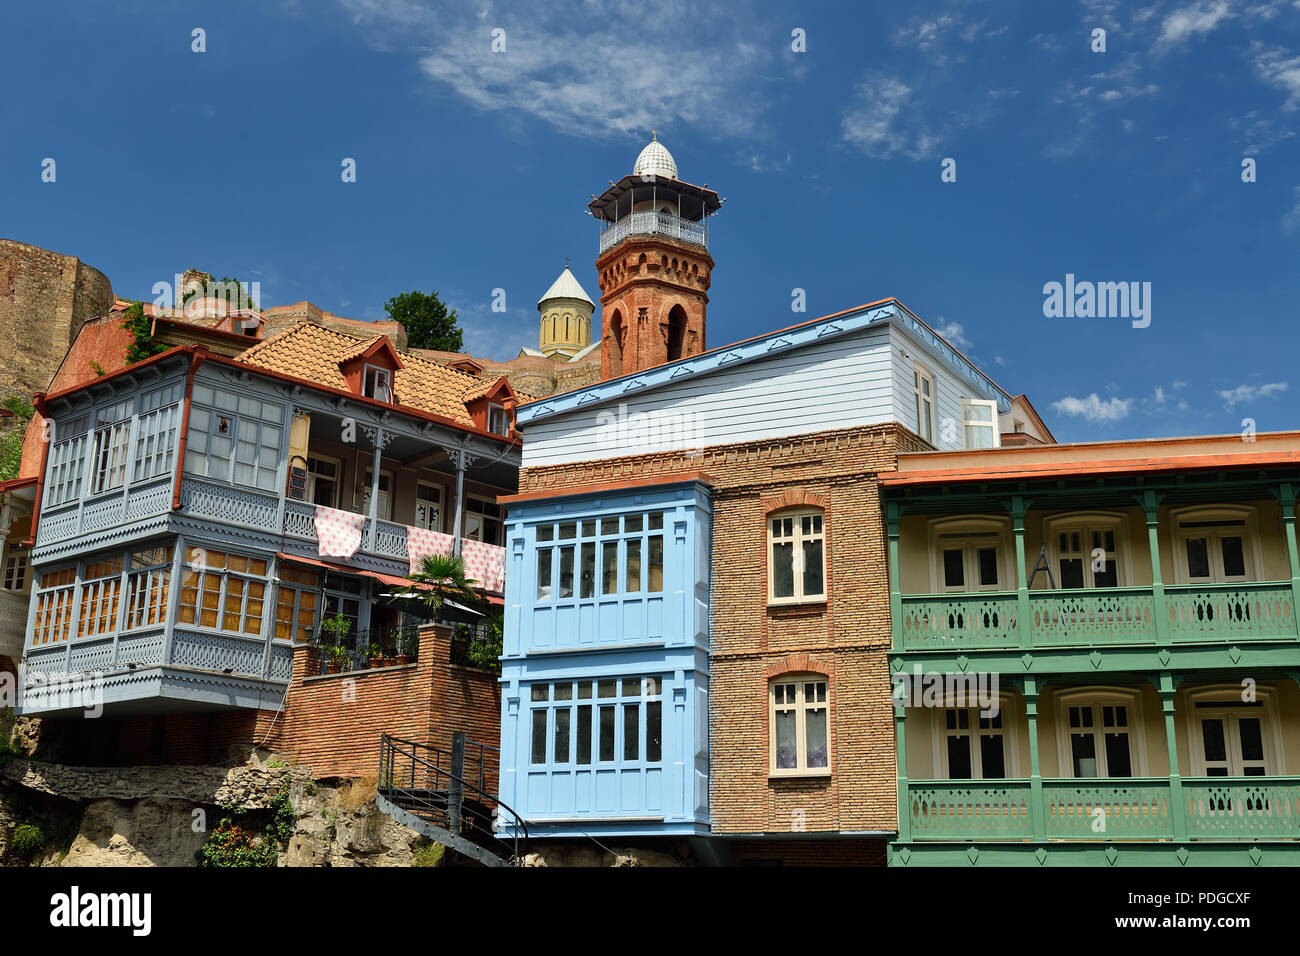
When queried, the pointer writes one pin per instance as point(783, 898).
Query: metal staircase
point(444, 796)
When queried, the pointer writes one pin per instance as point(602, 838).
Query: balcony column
point(1177, 808)
point(457, 528)
point(893, 515)
point(1037, 805)
point(1150, 508)
point(1286, 495)
point(900, 748)
point(378, 439)
point(1018, 506)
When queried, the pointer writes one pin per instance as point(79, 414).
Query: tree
point(11, 439)
point(441, 578)
point(428, 322)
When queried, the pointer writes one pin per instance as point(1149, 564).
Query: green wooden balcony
point(1141, 809)
point(1099, 617)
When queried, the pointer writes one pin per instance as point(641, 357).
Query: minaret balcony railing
point(654, 224)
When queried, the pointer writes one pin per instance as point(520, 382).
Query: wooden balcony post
point(900, 748)
point(1177, 809)
point(1018, 506)
point(1150, 508)
point(1286, 495)
point(459, 458)
point(375, 473)
point(1037, 805)
point(893, 515)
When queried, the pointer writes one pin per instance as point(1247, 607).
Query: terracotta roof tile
point(313, 352)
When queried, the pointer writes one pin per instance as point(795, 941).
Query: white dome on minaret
point(566, 287)
point(655, 160)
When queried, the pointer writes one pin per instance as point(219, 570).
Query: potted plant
point(374, 655)
point(334, 633)
point(338, 655)
point(406, 645)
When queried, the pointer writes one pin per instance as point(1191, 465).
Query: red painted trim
point(198, 355)
point(42, 407)
point(602, 487)
point(1084, 469)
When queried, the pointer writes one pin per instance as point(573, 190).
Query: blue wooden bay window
point(604, 718)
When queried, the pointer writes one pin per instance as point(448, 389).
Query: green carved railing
point(1101, 616)
point(959, 620)
point(970, 809)
point(1097, 617)
point(1242, 808)
point(1234, 611)
point(1216, 808)
point(1108, 809)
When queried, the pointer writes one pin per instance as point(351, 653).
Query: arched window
point(1215, 545)
point(799, 722)
point(676, 332)
point(1089, 550)
point(616, 336)
point(796, 567)
point(1100, 733)
point(969, 554)
point(1231, 737)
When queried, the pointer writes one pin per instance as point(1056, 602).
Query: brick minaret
point(654, 265)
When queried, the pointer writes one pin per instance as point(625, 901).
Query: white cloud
point(590, 69)
point(1248, 393)
point(878, 126)
point(953, 332)
point(1291, 221)
point(1192, 20)
point(1094, 408)
point(1278, 67)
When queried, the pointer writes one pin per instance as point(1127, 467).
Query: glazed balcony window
point(616, 554)
point(610, 721)
point(223, 591)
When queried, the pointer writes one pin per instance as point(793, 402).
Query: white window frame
point(1270, 726)
point(801, 706)
point(17, 569)
point(385, 512)
point(1010, 740)
point(992, 424)
point(1096, 698)
point(924, 427)
point(110, 456)
point(420, 502)
point(383, 383)
point(1087, 522)
point(495, 411)
point(1251, 551)
point(976, 532)
point(467, 515)
point(796, 541)
point(310, 489)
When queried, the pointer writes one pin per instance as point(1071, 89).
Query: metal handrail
point(419, 799)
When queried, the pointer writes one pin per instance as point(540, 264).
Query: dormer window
point(378, 384)
point(498, 420)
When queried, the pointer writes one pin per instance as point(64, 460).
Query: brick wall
point(332, 723)
point(846, 638)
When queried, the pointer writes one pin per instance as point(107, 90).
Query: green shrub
point(430, 855)
point(143, 344)
point(233, 844)
point(27, 841)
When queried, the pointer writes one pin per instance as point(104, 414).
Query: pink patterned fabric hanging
point(421, 542)
point(338, 532)
point(485, 564)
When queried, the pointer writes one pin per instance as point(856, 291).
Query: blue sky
point(474, 167)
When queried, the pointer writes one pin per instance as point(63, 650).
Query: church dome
point(655, 160)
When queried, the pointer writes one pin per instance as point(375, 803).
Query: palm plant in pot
point(441, 578)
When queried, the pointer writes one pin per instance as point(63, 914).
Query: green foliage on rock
point(143, 344)
point(28, 840)
point(250, 838)
point(11, 436)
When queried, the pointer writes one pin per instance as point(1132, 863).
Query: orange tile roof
point(313, 352)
